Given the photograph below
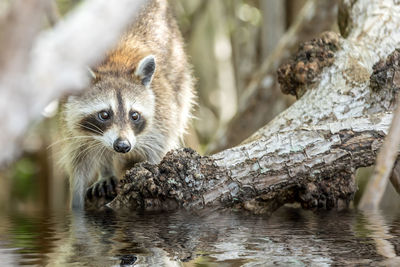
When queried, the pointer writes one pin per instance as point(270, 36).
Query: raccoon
point(136, 108)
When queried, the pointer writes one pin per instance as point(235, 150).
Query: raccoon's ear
point(145, 70)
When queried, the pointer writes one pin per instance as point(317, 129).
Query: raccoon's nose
point(122, 146)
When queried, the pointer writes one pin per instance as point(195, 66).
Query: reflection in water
point(289, 237)
point(376, 223)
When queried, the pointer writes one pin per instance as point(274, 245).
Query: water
point(290, 237)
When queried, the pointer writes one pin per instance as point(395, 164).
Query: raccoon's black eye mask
point(97, 123)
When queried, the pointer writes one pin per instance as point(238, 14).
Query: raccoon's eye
point(104, 115)
point(135, 116)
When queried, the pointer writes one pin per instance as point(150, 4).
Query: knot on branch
point(177, 181)
point(386, 73)
point(311, 58)
point(328, 194)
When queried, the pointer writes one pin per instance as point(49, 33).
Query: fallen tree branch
point(310, 165)
point(310, 152)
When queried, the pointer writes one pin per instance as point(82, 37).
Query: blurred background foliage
point(227, 41)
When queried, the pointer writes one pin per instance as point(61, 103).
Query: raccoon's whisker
point(96, 127)
point(90, 129)
point(80, 154)
point(149, 151)
point(74, 154)
point(68, 138)
point(148, 148)
point(153, 140)
point(143, 152)
point(94, 156)
point(157, 147)
point(94, 147)
point(139, 150)
point(98, 153)
point(83, 153)
point(153, 145)
point(103, 150)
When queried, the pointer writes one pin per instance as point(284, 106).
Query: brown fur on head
point(118, 107)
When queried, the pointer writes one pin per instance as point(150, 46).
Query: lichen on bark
point(312, 57)
point(386, 73)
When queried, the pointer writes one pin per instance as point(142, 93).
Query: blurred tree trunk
point(254, 40)
point(273, 25)
point(200, 40)
point(245, 39)
point(262, 100)
point(292, 9)
point(310, 152)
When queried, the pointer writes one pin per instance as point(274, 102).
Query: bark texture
point(313, 166)
point(309, 153)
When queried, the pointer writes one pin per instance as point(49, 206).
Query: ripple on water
point(289, 237)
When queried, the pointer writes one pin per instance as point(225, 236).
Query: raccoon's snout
point(122, 146)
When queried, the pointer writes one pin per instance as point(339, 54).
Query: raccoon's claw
point(102, 191)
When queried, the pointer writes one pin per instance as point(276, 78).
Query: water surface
point(290, 237)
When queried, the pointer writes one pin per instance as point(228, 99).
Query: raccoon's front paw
point(102, 192)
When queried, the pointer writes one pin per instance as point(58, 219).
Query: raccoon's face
point(116, 109)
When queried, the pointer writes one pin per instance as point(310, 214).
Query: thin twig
point(384, 163)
